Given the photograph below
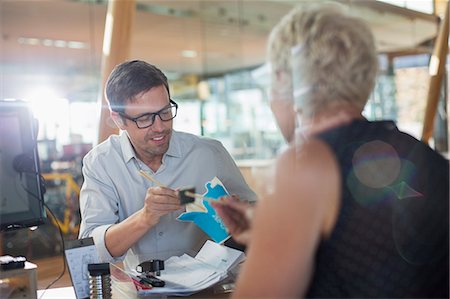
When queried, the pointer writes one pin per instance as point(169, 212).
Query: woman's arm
point(289, 224)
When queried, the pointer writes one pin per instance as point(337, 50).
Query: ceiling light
point(76, 45)
point(28, 41)
point(189, 53)
point(60, 43)
point(47, 42)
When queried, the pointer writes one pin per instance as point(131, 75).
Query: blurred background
point(54, 54)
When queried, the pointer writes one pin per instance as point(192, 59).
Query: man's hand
point(159, 201)
point(236, 215)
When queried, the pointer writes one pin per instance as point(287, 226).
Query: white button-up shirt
point(113, 190)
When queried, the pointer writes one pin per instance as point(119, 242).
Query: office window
point(425, 6)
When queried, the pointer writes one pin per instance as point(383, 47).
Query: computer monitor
point(21, 189)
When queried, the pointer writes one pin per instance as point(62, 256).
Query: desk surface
point(57, 293)
point(69, 293)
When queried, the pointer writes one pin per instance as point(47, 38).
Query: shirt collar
point(174, 146)
point(174, 149)
point(127, 148)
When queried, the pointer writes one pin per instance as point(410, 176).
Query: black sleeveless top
point(391, 238)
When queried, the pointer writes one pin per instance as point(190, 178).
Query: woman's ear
point(284, 113)
point(117, 119)
point(281, 86)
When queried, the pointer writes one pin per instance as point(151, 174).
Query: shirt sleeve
point(99, 206)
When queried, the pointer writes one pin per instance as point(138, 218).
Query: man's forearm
point(121, 236)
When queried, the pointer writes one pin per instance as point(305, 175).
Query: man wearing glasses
point(127, 214)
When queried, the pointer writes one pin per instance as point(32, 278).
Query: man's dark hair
point(129, 79)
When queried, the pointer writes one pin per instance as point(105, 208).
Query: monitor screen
point(21, 194)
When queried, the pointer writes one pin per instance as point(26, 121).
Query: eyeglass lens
point(148, 119)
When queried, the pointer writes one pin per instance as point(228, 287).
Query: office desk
point(69, 293)
point(57, 293)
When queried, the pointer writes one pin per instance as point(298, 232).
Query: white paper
point(186, 271)
point(185, 275)
point(220, 257)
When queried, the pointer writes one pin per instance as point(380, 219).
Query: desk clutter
point(183, 275)
point(79, 255)
point(177, 276)
point(99, 281)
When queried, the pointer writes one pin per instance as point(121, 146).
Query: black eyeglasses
point(147, 119)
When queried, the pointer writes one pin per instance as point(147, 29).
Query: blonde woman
point(359, 209)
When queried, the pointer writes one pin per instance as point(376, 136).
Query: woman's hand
point(237, 216)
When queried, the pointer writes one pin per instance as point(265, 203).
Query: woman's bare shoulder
point(307, 179)
point(311, 160)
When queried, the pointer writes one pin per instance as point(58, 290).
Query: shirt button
point(160, 234)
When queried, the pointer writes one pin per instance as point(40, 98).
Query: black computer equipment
point(21, 185)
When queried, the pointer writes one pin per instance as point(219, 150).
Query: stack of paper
point(185, 275)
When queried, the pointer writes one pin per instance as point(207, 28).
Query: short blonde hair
point(337, 60)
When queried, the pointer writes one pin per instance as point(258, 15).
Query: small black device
point(149, 269)
point(184, 198)
point(151, 266)
point(151, 280)
point(9, 262)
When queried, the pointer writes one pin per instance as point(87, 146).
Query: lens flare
point(379, 174)
point(376, 164)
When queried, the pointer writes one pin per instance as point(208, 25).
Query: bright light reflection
point(108, 34)
point(425, 6)
point(51, 111)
